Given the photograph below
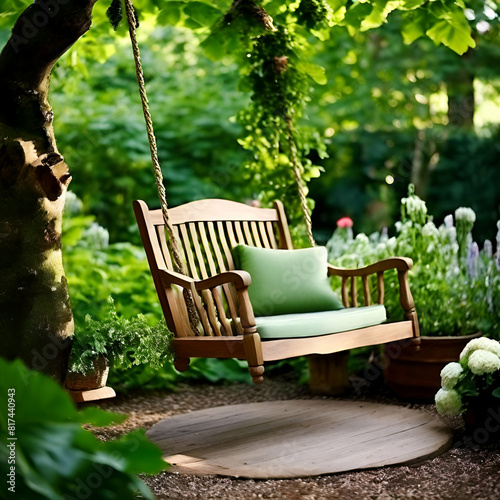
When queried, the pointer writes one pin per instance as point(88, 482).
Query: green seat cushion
point(289, 326)
point(287, 281)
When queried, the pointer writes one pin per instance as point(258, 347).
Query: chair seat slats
point(198, 254)
point(270, 233)
point(160, 231)
point(230, 234)
point(255, 234)
point(248, 234)
point(239, 233)
point(225, 247)
point(366, 291)
point(184, 237)
point(263, 234)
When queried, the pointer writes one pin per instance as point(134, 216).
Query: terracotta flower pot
point(415, 374)
point(92, 380)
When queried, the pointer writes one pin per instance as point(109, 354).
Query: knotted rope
point(179, 265)
point(298, 180)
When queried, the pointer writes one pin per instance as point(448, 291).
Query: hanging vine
point(280, 145)
point(275, 70)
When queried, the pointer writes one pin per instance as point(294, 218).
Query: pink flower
point(344, 222)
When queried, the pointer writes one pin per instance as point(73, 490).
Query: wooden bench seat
point(226, 327)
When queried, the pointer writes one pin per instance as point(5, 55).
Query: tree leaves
point(445, 21)
point(378, 15)
point(411, 4)
point(202, 13)
point(453, 31)
point(442, 21)
point(443, 25)
point(414, 26)
point(316, 72)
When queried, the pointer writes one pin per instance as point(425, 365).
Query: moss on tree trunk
point(35, 313)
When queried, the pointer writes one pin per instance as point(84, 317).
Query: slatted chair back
point(206, 231)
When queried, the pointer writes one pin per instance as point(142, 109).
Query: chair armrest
point(173, 278)
point(241, 280)
point(399, 263)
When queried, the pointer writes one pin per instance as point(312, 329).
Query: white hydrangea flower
point(430, 230)
point(465, 213)
point(96, 236)
point(481, 362)
point(450, 374)
point(391, 243)
point(482, 343)
point(362, 238)
point(448, 221)
point(73, 204)
point(452, 236)
point(415, 204)
point(448, 402)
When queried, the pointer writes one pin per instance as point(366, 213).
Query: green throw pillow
point(287, 281)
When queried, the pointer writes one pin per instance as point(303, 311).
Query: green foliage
point(451, 297)
point(467, 175)
point(115, 13)
point(444, 23)
point(53, 457)
point(96, 270)
point(275, 69)
point(354, 182)
point(99, 123)
point(217, 371)
point(192, 102)
point(272, 54)
point(123, 342)
point(373, 112)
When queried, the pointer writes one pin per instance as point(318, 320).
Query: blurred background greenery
point(389, 114)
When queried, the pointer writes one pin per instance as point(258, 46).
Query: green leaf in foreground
point(454, 32)
point(55, 457)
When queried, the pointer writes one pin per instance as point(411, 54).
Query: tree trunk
point(35, 314)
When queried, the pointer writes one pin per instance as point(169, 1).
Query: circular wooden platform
point(285, 439)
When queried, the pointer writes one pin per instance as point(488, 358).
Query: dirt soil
point(461, 473)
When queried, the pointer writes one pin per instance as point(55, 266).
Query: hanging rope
point(298, 180)
point(179, 265)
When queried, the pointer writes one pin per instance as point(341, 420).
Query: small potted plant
point(115, 341)
point(471, 388)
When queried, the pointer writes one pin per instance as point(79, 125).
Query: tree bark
point(35, 314)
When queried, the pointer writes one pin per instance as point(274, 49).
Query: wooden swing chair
point(206, 299)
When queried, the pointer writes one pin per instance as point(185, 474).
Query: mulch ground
point(461, 473)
